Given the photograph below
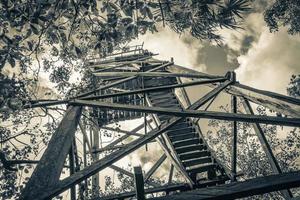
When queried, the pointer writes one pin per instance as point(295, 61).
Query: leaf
point(30, 45)
point(149, 13)
point(34, 29)
point(78, 51)
point(12, 61)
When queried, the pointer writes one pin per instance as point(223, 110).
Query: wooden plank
point(147, 74)
point(139, 183)
point(155, 167)
point(72, 171)
point(234, 140)
point(171, 187)
point(47, 172)
point(236, 190)
point(295, 122)
point(276, 102)
point(119, 81)
point(155, 89)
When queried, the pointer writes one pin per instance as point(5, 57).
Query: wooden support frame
point(156, 89)
point(117, 155)
point(147, 74)
point(276, 102)
point(237, 190)
point(295, 122)
point(120, 81)
point(139, 183)
point(234, 140)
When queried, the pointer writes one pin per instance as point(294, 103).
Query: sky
point(260, 59)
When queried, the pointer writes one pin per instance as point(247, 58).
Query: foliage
point(251, 159)
point(294, 86)
point(284, 13)
point(70, 29)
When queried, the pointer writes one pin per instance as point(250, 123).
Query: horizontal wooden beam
point(120, 81)
point(148, 74)
point(237, 190)
point(276, 102)
point(156, 89)
point(193, 113)
point(165, 188)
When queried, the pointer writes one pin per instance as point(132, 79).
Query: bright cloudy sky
point(261, 59)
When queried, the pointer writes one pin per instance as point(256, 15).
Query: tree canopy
point(284, 13)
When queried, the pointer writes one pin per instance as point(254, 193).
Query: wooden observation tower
point(132, 84)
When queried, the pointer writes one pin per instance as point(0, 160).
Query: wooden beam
point(127, 173)
point(171, 187)
point(47, 172)
point(276, 102)
point(234, 139)
point(237, 190)
point(165, 188)
point(295, 122)
point(155, 167)
point(147, 74)
point(130, 133)
point(139, 183)
point(171, 174)
point(155, 89)
point(120, 81)
point(72, 171)
point(266, 147)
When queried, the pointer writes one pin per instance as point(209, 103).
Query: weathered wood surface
point(193, 113)
point(139, 183)
point(236, 190)
point(276, 102)
point(234, 140)
point(48, 171)
point(148, 74)
point(120, 81)
point(155, 89)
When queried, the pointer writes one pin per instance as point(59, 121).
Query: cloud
point(170, 44)
point(271, 61)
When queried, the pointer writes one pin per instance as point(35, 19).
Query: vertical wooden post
point(95, 145)
point(72, 171)
point(234, 140)
point(139, 183)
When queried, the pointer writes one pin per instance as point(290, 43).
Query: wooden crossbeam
point(121, 81)
point(237, 190)
point(276, 102)
point(295, 122)
point(155, 167)
point(47, 172)
point(148, 74)
point(155, 89)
